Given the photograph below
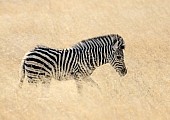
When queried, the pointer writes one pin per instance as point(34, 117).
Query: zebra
point(78, 62)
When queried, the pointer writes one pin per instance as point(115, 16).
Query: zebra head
point(116, 57)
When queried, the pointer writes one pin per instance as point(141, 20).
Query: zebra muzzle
point(123, 72)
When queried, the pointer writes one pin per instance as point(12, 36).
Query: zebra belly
point(63, 76)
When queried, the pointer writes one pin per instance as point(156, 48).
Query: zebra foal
point(79, 61)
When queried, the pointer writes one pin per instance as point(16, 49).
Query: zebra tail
point(22, 74)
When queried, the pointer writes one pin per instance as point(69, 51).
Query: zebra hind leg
point(21, 82)
point(22, 74)
point(46, 82)
point(33, 81)
point(79, 82)
point(45, 87)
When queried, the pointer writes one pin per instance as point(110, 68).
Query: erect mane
point(121, 42)
point(98, 40)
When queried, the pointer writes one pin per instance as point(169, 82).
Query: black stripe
point(50, 56)
point(32, 72)
point(38, 61)
point(103, 56)
point(52, 51)
point(73, 57)
point(109, 39)
point(99, 57)
point(61, 58)
point(42, 57)
point(68, 60)
point(64, 60)
point(35, 67)
point(104, 41)
point(36, 74)
point(46, 53)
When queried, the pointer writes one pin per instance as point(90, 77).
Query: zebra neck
point(98, 57)
point(101, 59)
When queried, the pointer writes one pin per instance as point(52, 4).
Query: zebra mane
point(121, 43)
point(101, 41)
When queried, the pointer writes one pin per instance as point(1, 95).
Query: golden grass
point(144, 93)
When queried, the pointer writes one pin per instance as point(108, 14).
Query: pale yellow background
point(143, 94)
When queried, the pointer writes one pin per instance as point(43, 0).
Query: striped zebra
point(79, 61)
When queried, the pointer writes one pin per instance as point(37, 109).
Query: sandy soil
point(144, 93)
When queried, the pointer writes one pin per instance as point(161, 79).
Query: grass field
point(143, 94)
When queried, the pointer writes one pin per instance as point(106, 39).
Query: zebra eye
point(118, 57)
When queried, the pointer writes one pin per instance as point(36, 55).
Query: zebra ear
point(115, 46)
point(122, 47)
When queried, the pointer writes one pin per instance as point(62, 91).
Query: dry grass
point(144, 93)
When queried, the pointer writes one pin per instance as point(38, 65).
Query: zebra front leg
point(79, 86)
point(21, 82)
point(32, 82)
point(92, 82)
